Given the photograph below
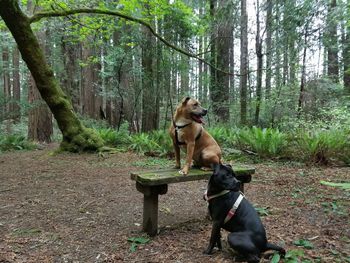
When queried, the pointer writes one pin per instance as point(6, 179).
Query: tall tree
point(244, 62)
point(332, 42)
point(16, 85)
point(346, 51)
point(6, 79)
point(75, 136)
point(269, 30)
point(222, 91)
point(259, 56)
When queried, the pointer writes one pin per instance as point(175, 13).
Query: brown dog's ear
point(184, 100)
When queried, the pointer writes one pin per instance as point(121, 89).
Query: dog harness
point(177, 128)
point(235, 206)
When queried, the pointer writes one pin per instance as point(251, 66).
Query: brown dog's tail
point(281, 250)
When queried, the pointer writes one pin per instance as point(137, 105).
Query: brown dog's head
point(191, 109)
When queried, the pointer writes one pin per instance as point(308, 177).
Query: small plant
point(162, 138)
point(225, 137)
point(262, 211)
point(303, 243)
point(136, 241)
point(142, 143)
point(321, 146)
point(15, 142)
point(264, 142)
point(345, 186)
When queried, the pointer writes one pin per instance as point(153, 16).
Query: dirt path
point(83, 208)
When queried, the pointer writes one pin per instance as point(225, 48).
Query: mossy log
point(75, 136)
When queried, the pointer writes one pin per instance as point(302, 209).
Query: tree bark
point(346, 54)
point(39, 117)
point(244, 62)
point(222, 98)
point(7, 81)
point(332, 43)
point(259, 56)
point(16, 86)
point(149, 111)
point(269, 30)
point(75, 136)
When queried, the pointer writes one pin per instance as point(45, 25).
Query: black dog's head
point(223, 178)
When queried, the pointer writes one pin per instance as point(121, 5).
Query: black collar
point(178, 127)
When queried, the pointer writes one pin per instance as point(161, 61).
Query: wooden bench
point(154, 183)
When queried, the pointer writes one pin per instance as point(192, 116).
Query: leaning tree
point(76, 137)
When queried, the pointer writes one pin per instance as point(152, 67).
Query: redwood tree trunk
point(244, 62)
point(16, 86)
point(75, 136)
point(39, 118)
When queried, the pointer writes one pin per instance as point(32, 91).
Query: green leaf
point(276, 258)
point(139, 240)
point(304, 243)
point(294, 253)
point(344, 186)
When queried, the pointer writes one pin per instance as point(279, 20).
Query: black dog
point(248, 236)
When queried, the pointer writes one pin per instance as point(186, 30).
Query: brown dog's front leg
point(190, 150)
point(177, 156)
point(214, 238)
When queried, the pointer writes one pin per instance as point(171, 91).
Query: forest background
point(275, 75)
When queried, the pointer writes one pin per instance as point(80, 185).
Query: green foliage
point(136, 241)
point(262, 211)
point(303, 243)
point(15, 142)
point(276, 258)
point(265, 142)
point(113, 137)
point(144, 144)
point(225, 137)
point(322, 146)
point(345, 186)
point(162, 138)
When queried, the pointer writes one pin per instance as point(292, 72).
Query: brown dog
point(187, 132)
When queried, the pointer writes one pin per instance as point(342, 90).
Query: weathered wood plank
point(168, 176)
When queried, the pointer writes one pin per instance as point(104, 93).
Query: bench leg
point(150, 206)
point(150, 214)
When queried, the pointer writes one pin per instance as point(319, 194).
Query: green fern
point(142, 143)
point(264, 142)
point(15, 142)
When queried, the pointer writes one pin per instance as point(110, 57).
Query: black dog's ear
point(185, 100)
point(229, 165)
point(216, 168)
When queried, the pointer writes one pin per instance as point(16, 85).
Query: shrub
point(162, 138)
point(15, 142)
point(324, 146)
point(142, 143)
point(264, 142)
point(225, 137)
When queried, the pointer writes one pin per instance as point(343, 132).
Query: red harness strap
point(235, 206)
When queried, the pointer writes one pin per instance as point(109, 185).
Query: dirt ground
point(84, 207)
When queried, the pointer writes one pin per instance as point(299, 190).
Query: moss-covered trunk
point(75, 136)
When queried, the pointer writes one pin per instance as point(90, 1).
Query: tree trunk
point(39, 116)
point(213, 88)
point(332, 43)
point(346, 54)
point(269, 22)
point(149, 111)
point(259, 55)
point(16, 86)
point(7, 81)
point(70, 81)
point(244, 62)
point(75, 136)
point(303, 75)
point(222, 109)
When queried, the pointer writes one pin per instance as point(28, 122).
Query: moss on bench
point(168, 176)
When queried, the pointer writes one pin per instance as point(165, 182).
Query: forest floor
point(84, 207)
